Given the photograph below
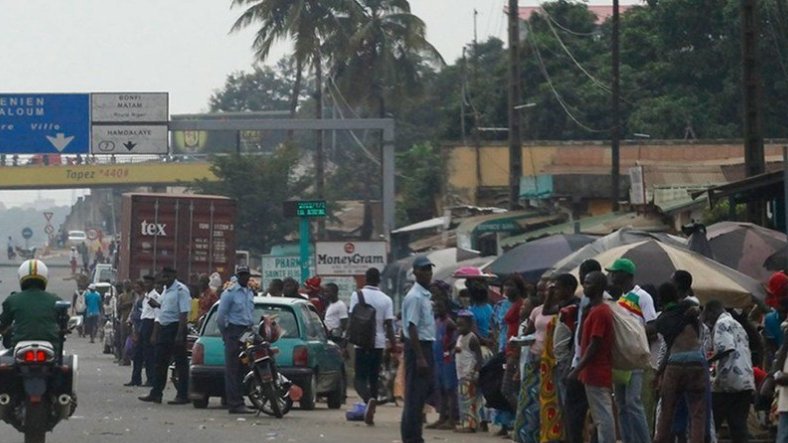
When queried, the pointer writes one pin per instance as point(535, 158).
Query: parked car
point(306, 356)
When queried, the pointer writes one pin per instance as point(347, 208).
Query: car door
point(328, 358)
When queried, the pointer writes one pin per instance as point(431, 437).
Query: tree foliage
point(259, 185)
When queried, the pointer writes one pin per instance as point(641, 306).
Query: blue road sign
point(27, 233)
point(44, 123)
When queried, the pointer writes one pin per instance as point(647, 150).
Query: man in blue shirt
point(169, 334)
point(418, 329)
point(234, 316)
point(92, 311)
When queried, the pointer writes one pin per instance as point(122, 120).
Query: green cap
point(622, 265)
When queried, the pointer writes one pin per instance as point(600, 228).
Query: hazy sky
point(178, 46)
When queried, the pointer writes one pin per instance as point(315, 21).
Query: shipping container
point(194, 234)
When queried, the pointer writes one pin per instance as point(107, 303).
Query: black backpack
point(362, 328)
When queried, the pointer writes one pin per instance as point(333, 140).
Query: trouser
point(148, 350)
point(418, 388)
point(688, 382)
point(576, 407)
point(782, 428)
point(167, 350)
point(632, 416)
point(137, 361)
point(91, 325)
point(367, 369)
point(233, 373)
point(601, 406)
point(734, 408)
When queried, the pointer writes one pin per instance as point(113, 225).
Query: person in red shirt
point(514, 289)
point(595, 369)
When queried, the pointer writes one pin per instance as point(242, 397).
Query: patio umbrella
point(621, 237)
point(656, 261)
point(532, 259)
point(747, 248)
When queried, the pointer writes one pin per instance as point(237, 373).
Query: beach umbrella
point(621, 237)
point(532, 259)
point(656, 261)
point(747, 248)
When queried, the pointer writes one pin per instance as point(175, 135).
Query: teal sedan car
point(306, 356)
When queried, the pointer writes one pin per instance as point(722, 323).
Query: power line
point(562, 27)
point(557, 95)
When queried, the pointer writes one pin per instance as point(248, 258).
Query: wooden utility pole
point(751, 79)
point(319, 160)
point(615, 130)
point(515, 95)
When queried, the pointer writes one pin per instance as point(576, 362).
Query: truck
point(194, 234)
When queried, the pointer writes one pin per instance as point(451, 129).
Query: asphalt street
point(110, 412)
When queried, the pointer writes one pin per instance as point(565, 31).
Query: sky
point(182, 47)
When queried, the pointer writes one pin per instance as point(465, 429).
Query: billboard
point(349, 258)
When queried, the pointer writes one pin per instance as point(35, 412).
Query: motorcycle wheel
point(266, 398)
point(35, 423)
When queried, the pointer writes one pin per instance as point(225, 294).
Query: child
point(468, 361)
point(445, 370)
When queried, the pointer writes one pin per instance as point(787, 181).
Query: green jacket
point(33, 316)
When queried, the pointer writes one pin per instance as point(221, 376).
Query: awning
point(759, 186)
point(426, 224)
point(508, 223)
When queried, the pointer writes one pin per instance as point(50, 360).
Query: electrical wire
point(564, 28)
point(557, 95)
point(361, 145)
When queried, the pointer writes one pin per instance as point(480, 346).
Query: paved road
point(110, 412)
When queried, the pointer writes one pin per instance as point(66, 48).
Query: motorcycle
point(38, 382)
point(266, 387)
point(26, 253)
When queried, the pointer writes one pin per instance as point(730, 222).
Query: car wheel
point(202, 403)
point(336, 398)
point(309, 399)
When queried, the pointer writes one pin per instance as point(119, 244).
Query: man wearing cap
point(234, 316)
point(169, 334)
point(418, 329)
point(632, 414)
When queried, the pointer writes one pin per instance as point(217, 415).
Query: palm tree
point(382, 53)
point(306, 23)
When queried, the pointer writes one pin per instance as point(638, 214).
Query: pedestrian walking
point(595, 368)
point(170, 336)
point(418, 330)
point(734, 380)
point(73, 257)
point(235, 315)
point(369, 360)
point(92, 311)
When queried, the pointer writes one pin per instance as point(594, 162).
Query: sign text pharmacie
point(349, 258)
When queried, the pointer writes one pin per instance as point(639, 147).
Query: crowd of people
point(539, 362)
point(530, 362)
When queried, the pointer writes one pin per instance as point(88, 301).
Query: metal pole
point(389, 199)
point(615, 131)
point(303, 244)
point(515, 143)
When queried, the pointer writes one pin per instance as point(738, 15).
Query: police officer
point(31, 312)
point(169, 334)
point(234, 316)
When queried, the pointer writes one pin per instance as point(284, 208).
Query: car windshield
point(283, 315)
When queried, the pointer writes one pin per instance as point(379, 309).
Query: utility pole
point(515, 95)
point(615, 130)
point(319, 161)
point(753, 135)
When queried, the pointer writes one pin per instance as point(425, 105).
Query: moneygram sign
point(349, 258)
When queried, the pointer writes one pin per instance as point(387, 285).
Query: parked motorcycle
point(266, 387)
point(38, 384)
point(26, 253)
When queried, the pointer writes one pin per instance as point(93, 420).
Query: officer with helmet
point(31, 312)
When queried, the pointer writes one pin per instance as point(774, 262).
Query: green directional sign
point(305, 208)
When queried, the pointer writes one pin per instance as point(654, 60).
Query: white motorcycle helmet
point(33, 270)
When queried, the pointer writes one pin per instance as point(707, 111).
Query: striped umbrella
point(656, 262)
point(745, 247)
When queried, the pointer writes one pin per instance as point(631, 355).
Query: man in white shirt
point(368, 361)
point(150, 311)
point(336, 313)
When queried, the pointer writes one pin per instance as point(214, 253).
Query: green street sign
point(304, 208)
